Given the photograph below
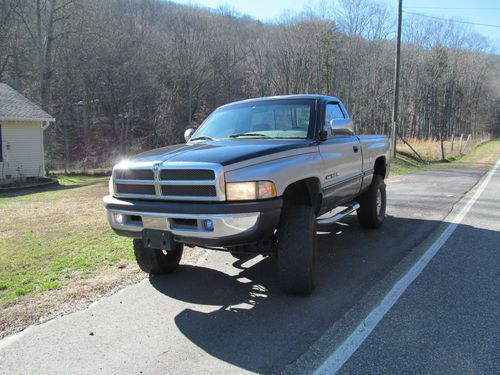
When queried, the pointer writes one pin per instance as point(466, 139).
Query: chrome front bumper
point(189, 225)
point(210, 224)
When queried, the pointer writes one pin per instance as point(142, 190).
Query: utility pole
point(394, 131)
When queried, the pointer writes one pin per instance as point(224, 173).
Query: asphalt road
point(448, 320)
point(224, 316)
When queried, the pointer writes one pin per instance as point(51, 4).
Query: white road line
point(342, 354)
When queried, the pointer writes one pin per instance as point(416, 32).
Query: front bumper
point(235, 223)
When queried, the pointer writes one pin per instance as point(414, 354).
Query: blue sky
point(266, 10)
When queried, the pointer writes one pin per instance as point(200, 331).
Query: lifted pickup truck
point(256, 177)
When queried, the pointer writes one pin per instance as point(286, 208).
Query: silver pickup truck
point(257, 177)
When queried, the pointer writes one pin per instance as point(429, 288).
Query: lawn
point(48, 238)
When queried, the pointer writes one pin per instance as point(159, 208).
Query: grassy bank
point(483, 156)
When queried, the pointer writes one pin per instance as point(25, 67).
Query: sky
point(477, 11)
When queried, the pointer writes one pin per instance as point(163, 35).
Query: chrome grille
point(170, 181)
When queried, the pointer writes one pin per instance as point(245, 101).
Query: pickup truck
point(258, 176)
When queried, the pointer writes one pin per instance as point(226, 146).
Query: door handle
point(355, 148)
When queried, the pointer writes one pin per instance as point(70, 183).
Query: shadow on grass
point(44, 189)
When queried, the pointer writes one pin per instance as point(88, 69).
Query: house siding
point(25, 156)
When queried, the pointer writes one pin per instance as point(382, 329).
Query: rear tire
point(297, 244)
point(371, 212)
point(157, 261)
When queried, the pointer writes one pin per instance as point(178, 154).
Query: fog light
point(118, 218)
point(209, 225)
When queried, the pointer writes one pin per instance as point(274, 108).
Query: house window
point(1, 145)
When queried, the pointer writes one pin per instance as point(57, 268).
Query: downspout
point(45, 125)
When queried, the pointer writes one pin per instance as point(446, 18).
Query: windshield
point(259, 120)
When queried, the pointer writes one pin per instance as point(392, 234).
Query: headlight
point(111, 187)
point(252, 190)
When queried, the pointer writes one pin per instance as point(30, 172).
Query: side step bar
point(332, 219)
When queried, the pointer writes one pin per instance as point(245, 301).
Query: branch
point(4, 65)
point(63, 5)
point(27, 26)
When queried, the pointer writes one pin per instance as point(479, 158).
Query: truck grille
point(135, 189)
point(171, 181)
point(187, 174)
point(190, 190)
point(134, 174)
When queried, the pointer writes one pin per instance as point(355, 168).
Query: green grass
point(48, 238)
point(79, 180)
point(485, 155)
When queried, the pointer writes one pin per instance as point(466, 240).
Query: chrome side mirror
point(342, 127)
point(188, 133)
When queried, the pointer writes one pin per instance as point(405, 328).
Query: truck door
point(342, 157)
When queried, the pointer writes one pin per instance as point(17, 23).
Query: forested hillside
point(121, 76)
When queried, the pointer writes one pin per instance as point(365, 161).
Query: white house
point(21, 136)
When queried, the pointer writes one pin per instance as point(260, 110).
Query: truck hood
point(223, 152)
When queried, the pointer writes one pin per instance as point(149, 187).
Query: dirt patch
point(75, 296)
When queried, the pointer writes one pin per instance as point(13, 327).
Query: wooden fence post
point(461, 141)
point(452, 139)
point(467, 142)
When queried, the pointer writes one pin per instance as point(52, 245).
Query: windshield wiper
point(249, 135)
point(202, 137)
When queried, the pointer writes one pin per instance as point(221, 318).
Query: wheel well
point(380, 167)
point(306, 191)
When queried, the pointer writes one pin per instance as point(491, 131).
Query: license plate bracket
point(157, 239)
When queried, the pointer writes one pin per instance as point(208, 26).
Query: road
point(224, 316)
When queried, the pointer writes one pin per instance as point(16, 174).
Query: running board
point(332, 219)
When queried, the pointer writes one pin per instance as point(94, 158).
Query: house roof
point(14, 106)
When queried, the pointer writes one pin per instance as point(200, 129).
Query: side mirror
point(342, 127)
point(188, 133)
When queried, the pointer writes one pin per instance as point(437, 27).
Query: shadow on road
point(247, 321)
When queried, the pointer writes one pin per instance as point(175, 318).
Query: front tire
point(157, 261)
point(297, 245)
point(371, 212)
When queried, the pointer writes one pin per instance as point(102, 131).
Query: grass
point(484, 155)
point(79, 180)
point(430, 150)
point(50, 237)
point(83, 172)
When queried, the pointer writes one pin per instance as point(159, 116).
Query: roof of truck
point(281, 97)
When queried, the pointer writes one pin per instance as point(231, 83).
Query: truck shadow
point(245, 320)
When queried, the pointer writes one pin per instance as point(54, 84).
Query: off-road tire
point(157, 261)
point(297, 245)
point(371, 212)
